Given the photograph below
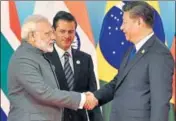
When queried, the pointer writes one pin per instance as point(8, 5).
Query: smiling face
point(65, 33)
point(44, 36)
point(130, 27)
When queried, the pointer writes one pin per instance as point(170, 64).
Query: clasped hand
point(91, 101)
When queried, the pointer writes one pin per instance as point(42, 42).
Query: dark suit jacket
point(84, 80)
point(142, 89)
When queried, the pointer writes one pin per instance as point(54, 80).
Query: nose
point(66, 35)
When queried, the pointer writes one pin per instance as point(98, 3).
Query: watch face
point(76, 42)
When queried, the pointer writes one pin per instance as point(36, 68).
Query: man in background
point(73, 68)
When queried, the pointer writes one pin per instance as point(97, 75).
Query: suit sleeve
point(106, 93)
point(160, 76)
point(95, 114)
point(29, 76)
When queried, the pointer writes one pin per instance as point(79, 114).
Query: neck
point(142, 35)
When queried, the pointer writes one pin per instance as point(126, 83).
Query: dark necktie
point(68, 71)
point(132, 54)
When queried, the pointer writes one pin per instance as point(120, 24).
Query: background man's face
point(65, 33)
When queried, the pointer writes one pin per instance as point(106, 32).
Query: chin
point(67, 46)
point(126, 38)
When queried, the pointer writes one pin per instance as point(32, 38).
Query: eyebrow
point(67, 30)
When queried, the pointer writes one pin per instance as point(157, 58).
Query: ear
point(140, 22)
point(31, 36)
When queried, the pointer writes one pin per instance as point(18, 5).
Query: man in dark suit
point(142, 89)
point(74, 68)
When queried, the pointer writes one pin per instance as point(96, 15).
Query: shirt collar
point(61, 52)
point(142, 42)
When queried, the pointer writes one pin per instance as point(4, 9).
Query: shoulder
point(159, 52)
point(23, 55)
point(159, 47)
point(81, 54)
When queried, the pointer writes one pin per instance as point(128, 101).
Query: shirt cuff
point(83, 100)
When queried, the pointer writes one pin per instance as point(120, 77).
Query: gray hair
point(30, 25)
point(140, 9)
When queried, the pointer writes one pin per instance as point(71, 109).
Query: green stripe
point(107, 107)
point(171, 113)
point(6, 53)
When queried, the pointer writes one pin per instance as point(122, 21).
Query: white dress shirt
point(60, 53)
point(142, 42)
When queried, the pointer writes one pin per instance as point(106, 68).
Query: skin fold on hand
point(91, 101)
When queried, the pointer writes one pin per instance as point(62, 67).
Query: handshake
point(91, 101)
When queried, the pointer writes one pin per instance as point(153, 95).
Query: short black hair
point(63, 15)
point(140, 9)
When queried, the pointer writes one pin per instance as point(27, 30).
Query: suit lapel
point(127, 66)
point(124, 61)
point(55, 60)
point(132, 62)
point(77, 64)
